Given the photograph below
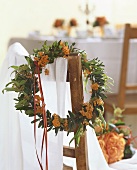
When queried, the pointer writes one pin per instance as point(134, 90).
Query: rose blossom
point(113, 147)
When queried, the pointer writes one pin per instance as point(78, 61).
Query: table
point(108, 50)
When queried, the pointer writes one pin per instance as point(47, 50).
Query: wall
point(18, 18)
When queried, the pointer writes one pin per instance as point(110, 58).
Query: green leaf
point(77, 136)
point(34, 121)
point(91, 125)
point(48, 113)
point(85, 83)
point(50, 128)
point(102, 118)
point(56, 130)
point(10, 89)
point(72, 115)
point(29, 112)
point(22, 82)
point(15, 67)
point(40, 124)
point(9, 84)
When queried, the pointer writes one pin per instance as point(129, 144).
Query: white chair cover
point(17, 148)
point(11, 156)
point(54, 87)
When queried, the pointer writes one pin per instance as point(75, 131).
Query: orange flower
point(56, 122)
point(98, 102)
point(87, 110)
point(39, 109)
point(102, 145)
point(65, 123)
point(36, 59)
point(29, 75)
point(43, 61)
point(62, 44)
point(95, 86)
point(86, 72)
point(46, 71)
point(114, 146)
point(85, 122)
point(89, 115)
point(40, 53)
point(65, 50)
point(37, 99)
point(98, 129)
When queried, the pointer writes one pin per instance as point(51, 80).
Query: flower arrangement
point(112, 145)
point(73, 22)
point(100, 21)
point(58, 23)
point(115, 140)
point(26, 83)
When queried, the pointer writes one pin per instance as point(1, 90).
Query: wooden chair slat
point(76, 88)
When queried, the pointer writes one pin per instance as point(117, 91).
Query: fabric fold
point(10, 132)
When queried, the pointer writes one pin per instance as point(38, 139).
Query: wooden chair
point(75, 79)
point(127, 96)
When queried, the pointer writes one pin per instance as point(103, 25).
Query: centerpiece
point(72, 27)
point(116, 140)
point(100, 22)
point(58, 26)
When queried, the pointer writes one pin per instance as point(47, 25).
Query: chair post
point(76, 86)
point(124, 67)
point(127, 96)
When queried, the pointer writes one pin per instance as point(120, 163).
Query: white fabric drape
point(17, 147)
point(54, 86)
point(126, 164)
point(11, 157)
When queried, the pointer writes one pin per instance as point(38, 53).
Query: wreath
point(26, 83)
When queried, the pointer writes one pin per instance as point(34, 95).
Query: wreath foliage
point(25, 83)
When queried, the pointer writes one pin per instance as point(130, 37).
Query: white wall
point(19, 17)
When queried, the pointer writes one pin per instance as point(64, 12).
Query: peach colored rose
point(113, 149)
point(102, 145)
point(98, 129)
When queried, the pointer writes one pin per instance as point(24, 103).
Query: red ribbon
point(44, 139)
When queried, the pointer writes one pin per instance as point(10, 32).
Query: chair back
point(130, 33)
point(76, 88)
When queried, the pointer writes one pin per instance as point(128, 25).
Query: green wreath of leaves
point(24, 85)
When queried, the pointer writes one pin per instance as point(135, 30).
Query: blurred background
point(23, 18)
